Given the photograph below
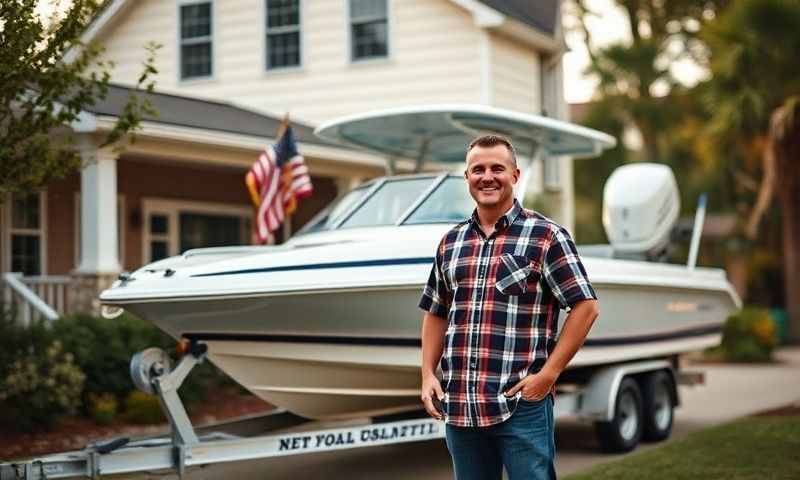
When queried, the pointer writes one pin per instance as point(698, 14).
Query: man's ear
point(466, 174)
point(516, 175)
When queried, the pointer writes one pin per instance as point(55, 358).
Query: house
point(228, 70)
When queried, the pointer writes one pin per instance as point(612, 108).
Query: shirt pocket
point(515, 273)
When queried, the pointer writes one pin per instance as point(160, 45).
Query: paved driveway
point(731, 391)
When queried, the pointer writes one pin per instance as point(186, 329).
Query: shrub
point(39, 380)
point(102, 407)
point(104, 347)
point(749, 336)
point(143, 409)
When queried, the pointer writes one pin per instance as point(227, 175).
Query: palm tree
point(754, 96)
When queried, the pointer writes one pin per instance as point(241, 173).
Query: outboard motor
point(640, 208)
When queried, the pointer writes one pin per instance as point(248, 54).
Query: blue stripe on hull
point(321, 266)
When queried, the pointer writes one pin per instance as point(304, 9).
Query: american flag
point(276, 182)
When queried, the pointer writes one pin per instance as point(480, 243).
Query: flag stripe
point(281, 177)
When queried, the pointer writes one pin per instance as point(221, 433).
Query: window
point(195, 38)
point(26, 234)
point(449, 203)
point(198, 230)
point(283, 34)
point(173, 226)
point(369, 29)
point(388, 203)
point(327, 218)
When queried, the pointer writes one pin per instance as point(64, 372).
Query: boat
point(326, 325)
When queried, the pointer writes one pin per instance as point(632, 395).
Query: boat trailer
point(605, 399)
point(152, 373)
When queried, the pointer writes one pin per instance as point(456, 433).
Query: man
point(491, 318)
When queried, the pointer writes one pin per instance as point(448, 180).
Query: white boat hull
point(336, 354)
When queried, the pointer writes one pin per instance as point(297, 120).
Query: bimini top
point(441, 133)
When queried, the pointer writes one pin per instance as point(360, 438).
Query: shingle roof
point(205, 114)
point(541, 14)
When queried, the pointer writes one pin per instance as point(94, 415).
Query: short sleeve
point(437, 296)
point(564, 272)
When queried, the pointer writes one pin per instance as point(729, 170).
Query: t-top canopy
point(441, 133)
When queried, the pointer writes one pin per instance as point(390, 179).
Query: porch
point(180, 185)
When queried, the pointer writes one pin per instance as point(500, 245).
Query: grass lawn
point(762, 448)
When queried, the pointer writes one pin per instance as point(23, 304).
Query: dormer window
point(283, 34)
point(195, 38)
point(369, 29)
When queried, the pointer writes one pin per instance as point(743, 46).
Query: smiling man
point(491, 319)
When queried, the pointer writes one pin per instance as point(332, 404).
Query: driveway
point(731, 391)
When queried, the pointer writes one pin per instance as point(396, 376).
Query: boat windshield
point(388, 203)
point(449, 202)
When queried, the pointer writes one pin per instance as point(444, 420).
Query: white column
point(99, 241)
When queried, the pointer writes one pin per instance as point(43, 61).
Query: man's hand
point(535, 386)
point(432, 389)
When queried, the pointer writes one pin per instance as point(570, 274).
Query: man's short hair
point(493, 140)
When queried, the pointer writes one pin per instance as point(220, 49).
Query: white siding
point(433, 57)
point(515, 73)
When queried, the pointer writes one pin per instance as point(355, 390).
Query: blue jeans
point(524, 444)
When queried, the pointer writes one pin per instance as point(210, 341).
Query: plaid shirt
point(501, 297)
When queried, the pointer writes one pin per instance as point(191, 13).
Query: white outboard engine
point(640, 207)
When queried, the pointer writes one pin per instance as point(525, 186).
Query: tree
point(42, 95)
point(754, 96)
point(636, 76)
point(638, 89)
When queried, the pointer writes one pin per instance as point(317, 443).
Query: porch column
point(100, 263)
point(99, 253)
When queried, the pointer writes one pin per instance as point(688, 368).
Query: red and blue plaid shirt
point(501, 297)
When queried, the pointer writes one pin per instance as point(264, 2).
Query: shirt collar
point(502, 222)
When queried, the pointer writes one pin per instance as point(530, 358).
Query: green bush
point(39, 380)
point(143, 409)
point(749, 336)
point(102, 407)
point(83, 361)
point(103, 349)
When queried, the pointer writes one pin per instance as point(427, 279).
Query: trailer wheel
point(658, 406)
point(624, 431)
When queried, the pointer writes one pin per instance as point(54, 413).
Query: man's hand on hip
point(535, 386)
point(431, 394)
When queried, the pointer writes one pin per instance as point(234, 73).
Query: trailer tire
point(623, 432)
point(658, 406)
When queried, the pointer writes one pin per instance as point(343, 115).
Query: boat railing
point(34, 298)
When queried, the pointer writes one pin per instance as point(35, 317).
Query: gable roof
point(540, 14)
point(196, 113)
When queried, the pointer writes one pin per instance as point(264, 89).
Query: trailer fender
point(599, 396)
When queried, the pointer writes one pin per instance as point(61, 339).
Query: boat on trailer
point(326, 325)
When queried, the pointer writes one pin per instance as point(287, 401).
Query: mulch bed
point(787, 411)
point(74, 433)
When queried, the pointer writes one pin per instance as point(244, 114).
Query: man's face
point(491, 175)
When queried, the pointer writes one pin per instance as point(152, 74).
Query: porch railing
point(36, 297)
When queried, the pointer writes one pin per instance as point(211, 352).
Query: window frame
point(172, 209)
point(6, 217)
point(267, 31)
point(350, 39)
point(210, 38)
